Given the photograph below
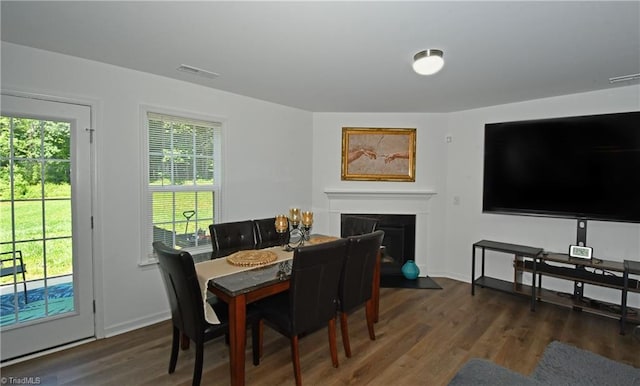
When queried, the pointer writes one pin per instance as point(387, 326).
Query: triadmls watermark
point(21, 380)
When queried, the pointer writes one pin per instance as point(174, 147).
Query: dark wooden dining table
point(242, 288)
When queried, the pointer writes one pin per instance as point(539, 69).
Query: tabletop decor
point(252, 258)
point(376, 154)
point(297, 235)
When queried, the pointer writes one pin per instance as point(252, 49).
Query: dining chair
point(187, 313)
point(266, 235)
point(356, 282)
point(231, 237)
point(311, 300)
point(357, 225)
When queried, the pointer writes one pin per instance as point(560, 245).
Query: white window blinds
point(182, 180)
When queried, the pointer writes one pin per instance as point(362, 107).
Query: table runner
point(215, 268)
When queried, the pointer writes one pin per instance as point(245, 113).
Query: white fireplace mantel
point(382, 201)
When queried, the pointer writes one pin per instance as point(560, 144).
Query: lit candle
point(307, 219)
point(294, 215)
point(281, 223)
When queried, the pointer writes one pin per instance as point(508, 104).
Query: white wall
point(256, 183)
point(465, 222)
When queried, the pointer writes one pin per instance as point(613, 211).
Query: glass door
point(46, 281)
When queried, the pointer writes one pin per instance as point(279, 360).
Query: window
point(182, 174)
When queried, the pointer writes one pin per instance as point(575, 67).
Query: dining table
point(242, 285)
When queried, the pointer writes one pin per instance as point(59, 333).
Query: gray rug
point(561, 364)
point(481, 372)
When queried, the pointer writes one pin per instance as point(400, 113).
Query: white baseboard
point(135, 324)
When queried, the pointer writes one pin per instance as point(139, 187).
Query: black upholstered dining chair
point(357, 225)
point(356, 282)
point(266, 235)
point(187, 311)
point(311, 301)
point(230, 237)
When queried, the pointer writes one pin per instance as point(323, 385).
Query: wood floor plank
point(423, 337)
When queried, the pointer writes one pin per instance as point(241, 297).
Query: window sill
point(147, 262)
point(151, 260)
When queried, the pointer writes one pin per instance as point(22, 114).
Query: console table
point(599, 272)
point(519, 251)
point(630, 267)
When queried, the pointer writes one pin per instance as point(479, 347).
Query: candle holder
point(290, 227)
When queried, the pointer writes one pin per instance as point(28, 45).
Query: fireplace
point(399, 240)
point(414, 203)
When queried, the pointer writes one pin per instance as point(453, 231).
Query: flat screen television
point(585, 167)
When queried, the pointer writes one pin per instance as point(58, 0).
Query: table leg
point(533, 284)
point(473, 269)
point(623, 302)
point(237, 338)
point(184, 341)
point(376, 288)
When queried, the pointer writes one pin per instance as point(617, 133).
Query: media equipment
point(580, 252)
point(585, 167)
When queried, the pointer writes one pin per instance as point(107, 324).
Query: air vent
point(197, 71)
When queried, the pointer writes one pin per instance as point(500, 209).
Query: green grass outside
point(29, 226)
point(164, 211)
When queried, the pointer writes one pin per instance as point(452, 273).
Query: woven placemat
point(252, 258)
point(321, 239)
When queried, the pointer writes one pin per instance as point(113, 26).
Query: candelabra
point(291, 226)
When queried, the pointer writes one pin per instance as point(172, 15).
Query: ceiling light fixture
point(197, 71)
point(428, 62)
point(624, 78)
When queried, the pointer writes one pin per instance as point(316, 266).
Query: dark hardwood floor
point(423, 337)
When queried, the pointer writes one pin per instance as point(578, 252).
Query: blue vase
point(410, 270)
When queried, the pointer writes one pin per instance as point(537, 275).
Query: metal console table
point(630, 267)
point(489, 282)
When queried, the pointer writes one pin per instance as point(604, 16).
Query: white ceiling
point(350, 56)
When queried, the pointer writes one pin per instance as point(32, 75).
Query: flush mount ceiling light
point(428, 62)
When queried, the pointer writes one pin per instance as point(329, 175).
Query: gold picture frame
point(378, 154)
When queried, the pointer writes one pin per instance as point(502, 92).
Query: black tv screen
point(574, 167)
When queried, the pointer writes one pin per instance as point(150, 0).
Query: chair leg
point(256, 341)
point(344, 328)
point(175, 343)
point(332, 342)
point(295, 358)
point(197, 368)
point(371, 318)
point(24, 284)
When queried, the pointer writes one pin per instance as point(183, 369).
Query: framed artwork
point(378, 154)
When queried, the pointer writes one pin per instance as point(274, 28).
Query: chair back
point(315, 275)
point(230, 237)
point(356, 281)
point(266, 235)
point(357, 225)
point(181, 282)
